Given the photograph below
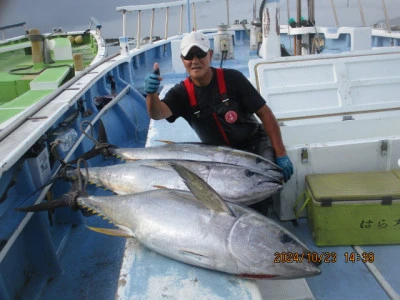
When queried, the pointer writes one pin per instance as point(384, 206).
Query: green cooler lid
point(354, 186)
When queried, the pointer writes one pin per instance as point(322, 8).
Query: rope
point(388, 27)
point(334, 13)
point(98, 145)
point(82, 188)
point(83, 130)
point(54, 152)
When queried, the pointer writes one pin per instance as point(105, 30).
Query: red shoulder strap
point(190, 90)
point(221, 84)
point(224, 97)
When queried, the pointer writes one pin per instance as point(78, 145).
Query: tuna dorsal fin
point(124, 232)
point(201, 190)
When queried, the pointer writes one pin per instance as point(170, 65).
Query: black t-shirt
point(240, 127)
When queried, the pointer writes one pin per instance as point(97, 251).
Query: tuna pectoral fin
point(115, 232)
point(201, 190)
point(252, 276)
point(166, 141)
point(196, 257)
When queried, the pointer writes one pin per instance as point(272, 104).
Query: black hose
point(224, 55)
point(14, 71)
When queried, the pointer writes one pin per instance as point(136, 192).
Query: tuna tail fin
point(201, 190)
point(67, 200)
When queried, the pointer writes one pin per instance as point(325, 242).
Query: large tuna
point(233, 183)
point(202, 230)
point(202, 152)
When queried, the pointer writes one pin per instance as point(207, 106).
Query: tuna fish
point(201, 152)
point(233, 183)
point(200, 229)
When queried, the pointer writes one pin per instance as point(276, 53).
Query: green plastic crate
point(361, 208)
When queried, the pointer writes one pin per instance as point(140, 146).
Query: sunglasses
point(199, 54)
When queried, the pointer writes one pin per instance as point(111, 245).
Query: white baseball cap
point(194, 39)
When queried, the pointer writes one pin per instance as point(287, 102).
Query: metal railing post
point(227, 13)
point(194, 17)
point(188, 15)
point(166, 23)
point(138, 30)
point(152, 25)
point(124, 23)
point(181, 20)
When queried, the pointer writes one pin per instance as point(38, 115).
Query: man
point(218, 105)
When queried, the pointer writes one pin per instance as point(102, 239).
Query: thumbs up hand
point(152, 80)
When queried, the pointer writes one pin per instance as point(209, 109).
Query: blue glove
point(151, 83)
point(286, 165)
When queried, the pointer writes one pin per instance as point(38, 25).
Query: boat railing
point(96, 24)
point(3, 28)
point(362, 14)
point(309, 38)
point(140, 8)
point(311, 14)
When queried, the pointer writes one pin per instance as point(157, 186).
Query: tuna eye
point(286, 238)
point(249, 173)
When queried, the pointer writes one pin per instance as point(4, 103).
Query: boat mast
point(311, 12)
point(255, 9)
point(271, 43)
point(227, 13)
point(297, 41)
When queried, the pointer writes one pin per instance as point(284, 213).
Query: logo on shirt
point(231, 117)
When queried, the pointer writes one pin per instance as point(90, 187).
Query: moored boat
point(337, 106)
point(34, 66)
